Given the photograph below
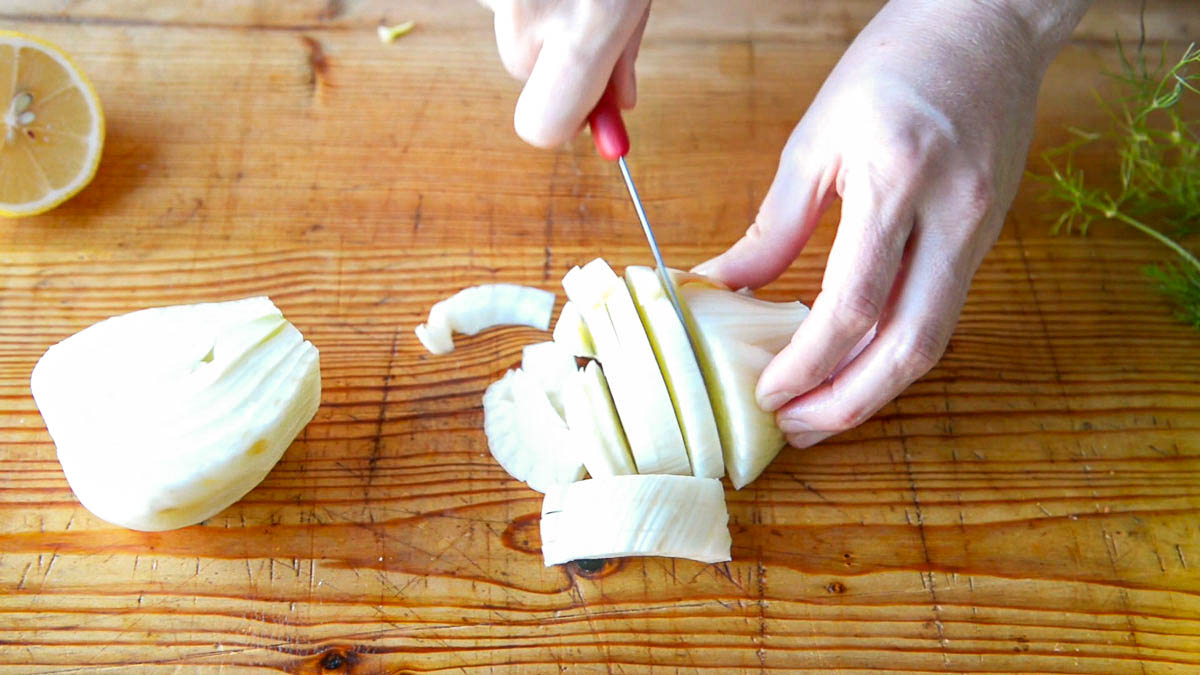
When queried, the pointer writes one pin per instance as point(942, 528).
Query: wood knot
point(835, 587)
point(524, 534)
point(338, 658)
point(594, 568)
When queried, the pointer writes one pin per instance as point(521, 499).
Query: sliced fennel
point(552, 367)
point(736, 336)
point(637, 385)
point(639, 515)
point(680, 370)
point(164, 417)
point(571, 332)
point(594, 424)
point(526, 434)
point(480, 307)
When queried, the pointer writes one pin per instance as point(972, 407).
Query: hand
point(566, 52)
point(922, 130)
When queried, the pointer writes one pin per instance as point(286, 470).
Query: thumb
point(798, 196)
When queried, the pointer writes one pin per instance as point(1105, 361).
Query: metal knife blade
point(663, 275)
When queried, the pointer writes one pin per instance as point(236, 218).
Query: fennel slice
point(680, 370)
point(571, 332)
point(526, 435)
point(736, 337)
point(552, 366)
point(638, 515)
point(477, 308)
point(593, 420)
point(638, 391)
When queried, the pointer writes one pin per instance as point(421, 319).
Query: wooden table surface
point(1031, 505)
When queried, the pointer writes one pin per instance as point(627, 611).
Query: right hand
point(566, 52)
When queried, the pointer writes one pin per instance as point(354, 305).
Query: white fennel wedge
point(736, 336)
point(477, 308)
point(552, 367)
point(680, 369)
point(164, 417)
point(638, 390)
point(526, 434)
point(639, 515)
point(571, 332)
point(594, 424)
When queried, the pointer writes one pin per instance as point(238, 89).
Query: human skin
point(921, 129)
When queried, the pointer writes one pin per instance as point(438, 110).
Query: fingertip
point(535, 126)
point(533, 132)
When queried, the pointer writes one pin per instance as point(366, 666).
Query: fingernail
point(773, 402)
point(807, 439)
point(794, 426)
point(704, 269)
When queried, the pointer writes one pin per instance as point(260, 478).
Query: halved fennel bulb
point(571, 332)
point(595, 427)
point(639, 515)
point(477, 308)
point(680, 370)
point(526, 434)
point(736, 336)
point(164, 417)
point(637, 385)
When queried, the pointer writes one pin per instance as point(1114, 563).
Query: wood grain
point(1029, 506)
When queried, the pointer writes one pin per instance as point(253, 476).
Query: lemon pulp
point(52, 128)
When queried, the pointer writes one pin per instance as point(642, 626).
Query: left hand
point(922, 130)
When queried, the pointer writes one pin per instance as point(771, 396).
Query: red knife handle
point(608, 129)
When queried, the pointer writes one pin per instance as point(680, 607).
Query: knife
point(612, 142)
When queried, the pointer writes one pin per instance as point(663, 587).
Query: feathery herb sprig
point(1159, 151)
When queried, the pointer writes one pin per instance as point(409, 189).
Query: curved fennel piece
point(736, 336)
point(476, 308)
point(637, 384)
point(571, 332)
point(526, 434)
point(638, 515)
point(165, 416)
point(680, 370)
point(552, 367)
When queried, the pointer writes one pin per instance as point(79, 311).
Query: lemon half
point(53, 127)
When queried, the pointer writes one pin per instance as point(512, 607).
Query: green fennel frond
point(1159, 169)
point(1182, 285)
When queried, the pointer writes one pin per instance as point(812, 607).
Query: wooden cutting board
point(1031, 505)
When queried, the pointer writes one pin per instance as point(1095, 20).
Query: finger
point(571, 73)
point(800, 193)
point(912, 335)
point(518, 48)
point(859, 276)
point(624, 77)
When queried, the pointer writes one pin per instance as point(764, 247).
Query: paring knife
point(612, 142)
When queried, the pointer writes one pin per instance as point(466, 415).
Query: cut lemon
point(53, 130)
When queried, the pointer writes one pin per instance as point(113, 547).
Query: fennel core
point(1159, 152)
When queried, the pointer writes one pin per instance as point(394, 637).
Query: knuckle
point(978, 194)
point(757, 231)
point(855, 312)
point(848, 419)
point(848, 416)
point(919, 353)
point(904, 155)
